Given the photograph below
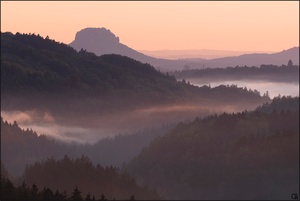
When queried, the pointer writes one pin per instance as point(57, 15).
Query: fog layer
point(89, 128)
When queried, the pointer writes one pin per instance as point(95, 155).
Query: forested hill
point(247, 155)
point(22, 147)
point(32, 63)
point(41, 69)
point(289, 73)
point(280, 104)
point(52, 179)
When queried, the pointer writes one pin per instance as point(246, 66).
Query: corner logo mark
point(294, 196)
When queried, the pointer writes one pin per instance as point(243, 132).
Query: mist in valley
point(266, 79)
point(274, 88)
point(184, 133)
point(90, 128)
point(111, 138)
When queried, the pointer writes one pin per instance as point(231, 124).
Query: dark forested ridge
point(284, 103)
point(246, 155)
point(23, 147)
point(32, 63)
point(284, 73)
point(20, 147)
point(38, 72)
point(74, 179)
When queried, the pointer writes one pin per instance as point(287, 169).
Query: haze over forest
point(99, 117)
point(78, 97)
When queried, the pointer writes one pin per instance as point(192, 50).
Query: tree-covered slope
point(247, 155)
point(64, 175)
point(264, 73)
point(30, 62)
point(22, 147)
point(284, 103)
point(38, 72)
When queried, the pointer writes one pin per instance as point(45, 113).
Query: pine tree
point(76, 195)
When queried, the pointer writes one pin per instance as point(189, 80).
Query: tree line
point(72, 179)
point(25, 193)
point(21, 147)
point(284, 73)
point(244, 155)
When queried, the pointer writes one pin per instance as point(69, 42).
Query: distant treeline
point(289, 73)
point(9, 192)
point(284, 103)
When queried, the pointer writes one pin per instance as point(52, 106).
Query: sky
point(163, 25)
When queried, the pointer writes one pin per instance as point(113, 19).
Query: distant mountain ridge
point(102, 41)
point(279, 58)
point(196, 53)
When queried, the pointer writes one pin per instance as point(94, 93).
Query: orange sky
point(157, 25)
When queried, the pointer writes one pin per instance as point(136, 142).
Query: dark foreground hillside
point(69, 179)
point(246, 155)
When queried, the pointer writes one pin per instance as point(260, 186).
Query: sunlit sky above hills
point(157, 25)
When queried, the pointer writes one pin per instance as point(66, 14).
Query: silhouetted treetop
point(66, 173)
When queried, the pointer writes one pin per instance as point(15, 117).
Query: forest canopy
point(245, 155)
point(74, 179)
point(289, 73)
point(37, 70)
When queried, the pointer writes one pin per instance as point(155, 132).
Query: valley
point(95, 119)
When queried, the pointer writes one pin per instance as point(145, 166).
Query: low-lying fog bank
point(273, 88)
point(90, 128)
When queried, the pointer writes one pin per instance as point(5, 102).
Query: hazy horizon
point(232, 26)
point(197, 53)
